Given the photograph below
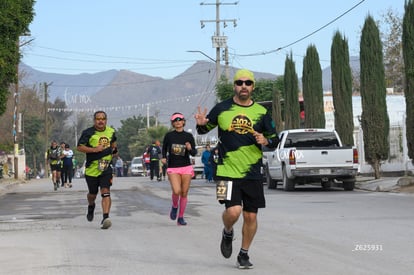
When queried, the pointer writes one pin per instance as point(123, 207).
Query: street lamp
point(217, 61)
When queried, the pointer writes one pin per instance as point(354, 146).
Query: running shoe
point(226, 244)
point(55, 186)
point(243, 261)
point(181, 221)
point(91, 209)
point(106, 223)
point(173, 213)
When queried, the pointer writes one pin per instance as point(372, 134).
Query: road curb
point(6, 185)
point(384, 184)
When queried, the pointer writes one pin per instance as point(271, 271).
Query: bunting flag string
point(141, 106)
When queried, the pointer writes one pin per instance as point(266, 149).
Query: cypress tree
point(408, 55)
point(292, 108)
point(374, 118)
point(312, 90)
point(277, 110)
point(342, 89)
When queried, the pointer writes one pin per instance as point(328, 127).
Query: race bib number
point(223, 190)
point(178, 149)
point(103, 164)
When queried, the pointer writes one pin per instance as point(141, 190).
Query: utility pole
point(16, 111)
point(45, 87)
point(15, 124)
point(218, 41)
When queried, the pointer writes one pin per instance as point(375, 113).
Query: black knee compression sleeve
point(104, 195)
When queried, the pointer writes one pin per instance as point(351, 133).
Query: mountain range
point(124, 93)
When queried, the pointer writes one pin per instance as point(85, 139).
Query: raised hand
point(200, 116)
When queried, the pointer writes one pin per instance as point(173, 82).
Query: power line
point(304, 37)
point(111, 56)
point(143, 63)
point(100, 70)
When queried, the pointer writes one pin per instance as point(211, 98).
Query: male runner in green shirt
point(99, 144)
point(243, 127)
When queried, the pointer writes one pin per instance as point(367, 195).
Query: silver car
point(198, 165)
point(137, 167)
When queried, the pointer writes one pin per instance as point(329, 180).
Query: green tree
point(342, 89)
point(277, 111)
point(15, 17)
point(224, 90)
point(145, 137)
point(33, 141)
point(374, 117)
point(126, 135)
point(312, 89)
point(133, 136)
point(408, 54)
point(32, 137)
point(263, 90)
point(291, 102)
point(277, 104)
point(57, 118)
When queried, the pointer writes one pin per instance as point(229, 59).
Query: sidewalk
point(384, 184)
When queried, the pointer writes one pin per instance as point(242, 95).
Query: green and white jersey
point(240, 155)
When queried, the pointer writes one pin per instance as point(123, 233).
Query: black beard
point(243, 96)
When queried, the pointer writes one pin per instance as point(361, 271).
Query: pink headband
point(174, 116)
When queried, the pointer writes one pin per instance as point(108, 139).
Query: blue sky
point(153, 37)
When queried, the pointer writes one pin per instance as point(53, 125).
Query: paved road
point(308, 231)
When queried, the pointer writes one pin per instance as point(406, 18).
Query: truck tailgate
point(321, 157)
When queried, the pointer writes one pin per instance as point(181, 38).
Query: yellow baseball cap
point(243, 73)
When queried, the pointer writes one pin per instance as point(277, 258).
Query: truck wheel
point(348, 184)
point(271, 184)
point(288, 184)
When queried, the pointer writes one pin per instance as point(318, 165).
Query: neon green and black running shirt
point(241, 156)
point(92, 138)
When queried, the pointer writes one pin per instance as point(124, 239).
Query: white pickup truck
point(310, 156)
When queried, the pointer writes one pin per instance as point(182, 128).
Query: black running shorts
point(103, 181)
point(247, 193)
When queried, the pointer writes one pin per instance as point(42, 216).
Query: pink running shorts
point(185, 170)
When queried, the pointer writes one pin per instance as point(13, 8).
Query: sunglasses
point(178, 119)
point(246, 82)
point(100, 118)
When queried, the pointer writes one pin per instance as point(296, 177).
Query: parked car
point(198, 165)
point(137, 166)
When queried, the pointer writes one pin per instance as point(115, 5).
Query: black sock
point(228, 234)
point(243, 251)
point(105, 216)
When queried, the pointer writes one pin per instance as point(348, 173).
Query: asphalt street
point(308, 231)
